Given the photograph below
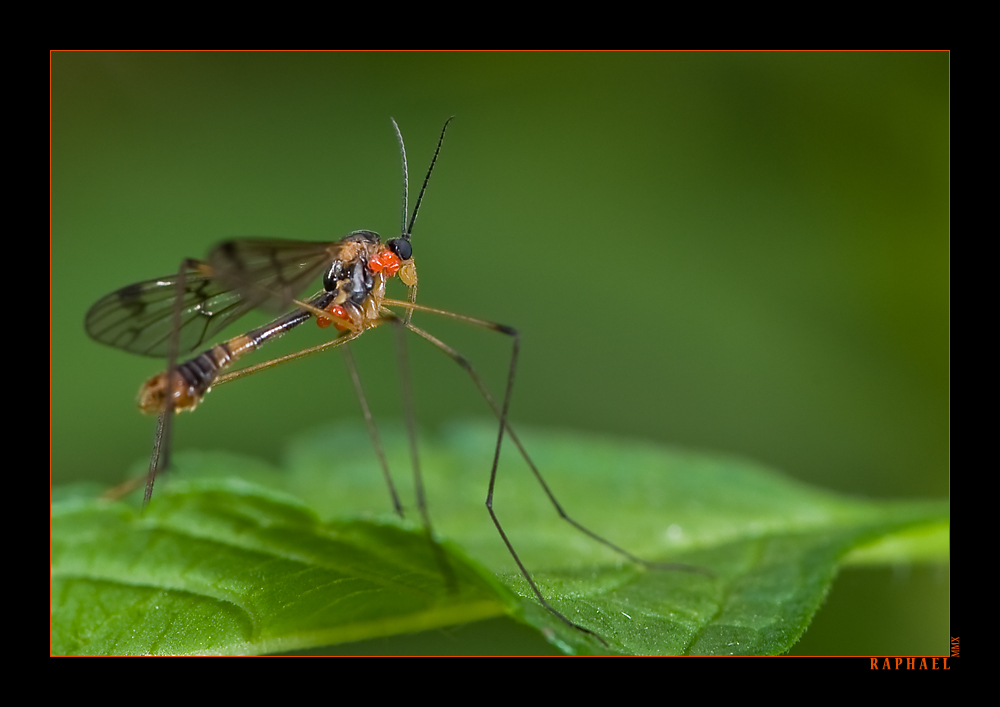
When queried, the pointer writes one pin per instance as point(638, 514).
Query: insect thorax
point(357, 275)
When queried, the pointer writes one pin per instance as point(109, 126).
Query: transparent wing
point(139, 318)
point(269, 273)
point(240, 275)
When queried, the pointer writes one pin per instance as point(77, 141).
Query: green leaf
point(235, 557)
point(223, 567)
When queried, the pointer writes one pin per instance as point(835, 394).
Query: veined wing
point(269, 273)
point(140, 318)
point(240, 275)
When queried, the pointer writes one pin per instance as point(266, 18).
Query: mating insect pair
point(174, 315)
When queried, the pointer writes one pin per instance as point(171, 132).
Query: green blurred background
point(738, 252)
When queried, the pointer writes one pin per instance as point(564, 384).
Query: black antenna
point(408, 228)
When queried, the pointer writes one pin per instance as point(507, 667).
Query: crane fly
point(171, 316)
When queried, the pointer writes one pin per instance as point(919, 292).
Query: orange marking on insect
point(337, 311)
point(387, 261)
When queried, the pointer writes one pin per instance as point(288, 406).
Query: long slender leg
point(358, 389)
point(411, 431)
point(129, 485)
point(484, 391)
point(352, 369)
point(160, 458)
point(258, 367)
point(502, 415)
point(389, 316)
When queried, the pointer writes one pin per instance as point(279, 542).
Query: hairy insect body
point(354, 289)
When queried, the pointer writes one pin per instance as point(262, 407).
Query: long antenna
point(402, 152)
point(408, 228)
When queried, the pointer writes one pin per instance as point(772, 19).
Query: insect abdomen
point(192, 379)
point(195, 377)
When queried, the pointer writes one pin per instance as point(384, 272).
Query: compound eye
point(401, 247)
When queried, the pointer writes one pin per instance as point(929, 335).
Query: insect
point(176, 315)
